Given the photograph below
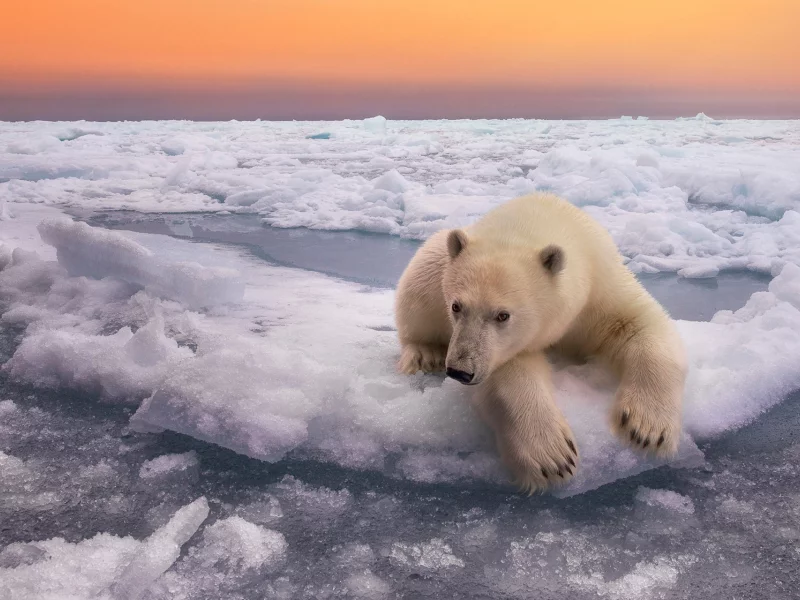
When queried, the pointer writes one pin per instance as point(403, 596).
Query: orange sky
point(693, 44)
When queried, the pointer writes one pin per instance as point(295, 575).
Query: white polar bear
point(536, 274)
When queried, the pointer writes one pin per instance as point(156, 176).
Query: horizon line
point(312, 101)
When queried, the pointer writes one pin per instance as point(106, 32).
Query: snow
point(366, 483)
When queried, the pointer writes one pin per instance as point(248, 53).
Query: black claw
point(638, 440)
point(571, 446)
point(570, 461)
point(646, 443)
point(544, 472)
point(660, 441)
point(568, 470)
point(624, 419)
point(633, 435)
point(560, 474)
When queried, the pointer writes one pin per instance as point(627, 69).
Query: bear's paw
point(427, 358)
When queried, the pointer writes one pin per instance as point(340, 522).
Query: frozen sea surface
point(244, 302)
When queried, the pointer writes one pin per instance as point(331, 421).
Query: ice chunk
point(21, 487)
point(159, 551)
point(104, 566)
point(786, 286)
point(663, 512)
point(367, 585)
point(376, 125)
point(665, 499)
point(169, 465)
point(392, 181)
point(94, 252)
point(743, 362)
point(241, 546)
point(247, 197)
point(122, 366)
point(261, 512)
point(233, 553)
point(699, 272)
point(645, 581)
point(5, 256)
point(433, 555)
point(318, 503)
point(206, 396)
point(178, 171)
point(58, 569)
point(17, 554)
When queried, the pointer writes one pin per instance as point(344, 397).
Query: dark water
point(379, 260)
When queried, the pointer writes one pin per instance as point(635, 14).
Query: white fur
point(559, 276)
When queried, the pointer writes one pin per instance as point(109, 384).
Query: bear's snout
point(460, 376)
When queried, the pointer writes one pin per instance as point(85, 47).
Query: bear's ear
point(552, 258)
point(456, 242)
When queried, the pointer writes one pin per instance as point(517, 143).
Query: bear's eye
point(455, 307)
point(502, 317)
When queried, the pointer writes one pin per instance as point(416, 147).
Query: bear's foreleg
point(533, 438)
point(647, 410)
point(421, 312)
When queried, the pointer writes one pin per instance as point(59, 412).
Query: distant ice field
point(692, 196)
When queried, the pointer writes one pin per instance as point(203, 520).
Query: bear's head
point(499, 300)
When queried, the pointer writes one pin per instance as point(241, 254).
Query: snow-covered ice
point(318, 378)
point(696, 194)
point(142, 333)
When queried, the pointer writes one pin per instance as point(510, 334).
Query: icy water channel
point(379, 260)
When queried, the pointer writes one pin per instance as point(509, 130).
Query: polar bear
point(536, 275)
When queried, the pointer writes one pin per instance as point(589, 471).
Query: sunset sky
point(314, 58)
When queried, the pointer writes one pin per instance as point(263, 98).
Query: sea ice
point(106, 567)
point(320, 382)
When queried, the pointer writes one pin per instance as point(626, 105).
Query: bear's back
point(541, 219)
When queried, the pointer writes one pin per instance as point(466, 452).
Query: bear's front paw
point(428, 358)
point(647, 423)
point(542, 457)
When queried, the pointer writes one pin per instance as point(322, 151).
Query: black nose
point(461, 376)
